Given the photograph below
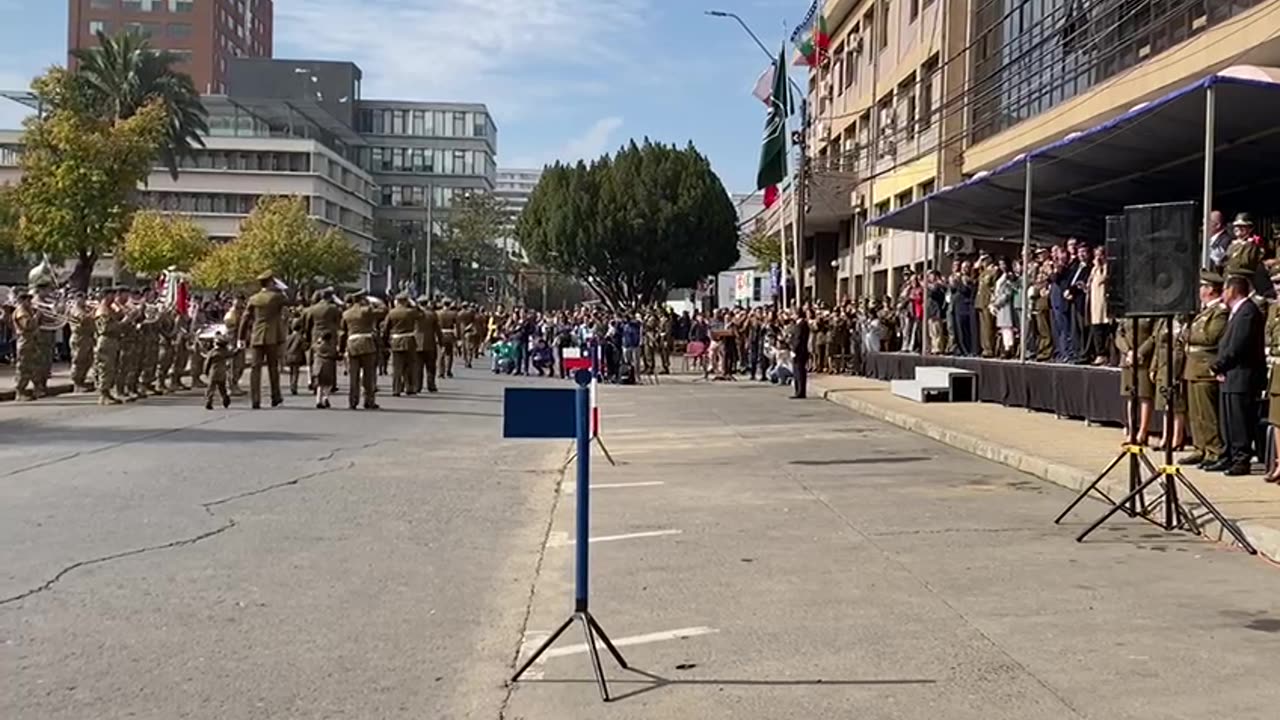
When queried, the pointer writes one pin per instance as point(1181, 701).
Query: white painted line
point(562, 539)
point(619, 416)
point(680, 634)
point(572, 488)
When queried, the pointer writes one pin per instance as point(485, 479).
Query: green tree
point(473, 239)
point(79, 171)
point(649, 218)
point(279, 237)
point(122, 75)
point(764, 248)
point(157, 241)
point(9, 217)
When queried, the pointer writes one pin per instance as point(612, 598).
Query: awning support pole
point(1209, 144)
point(924, 285)
point(1026, 266)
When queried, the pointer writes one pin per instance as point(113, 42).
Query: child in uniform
point(324, 367)
point(295, 355)
point(215, 368)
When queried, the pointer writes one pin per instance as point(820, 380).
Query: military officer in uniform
point(166, 332)
point(467, 331)
point(130, 365)
point(323, 316)
point(430, 339)
point(1161, 376)
point(26, 324)
point(401, 331)
point(982, 305)
point(80, 319)
point(1273, 378)
point(359, 340)
point(1202, 387)
point(1135, 374)
point(262, 330)
point(1244, 254)
point(149, 352)
point(106, 351)
point(449, 331)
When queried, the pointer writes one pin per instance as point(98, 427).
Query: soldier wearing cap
point(261, 327)
point(400, 330)
point(430, 338)
point(26, 323)
point(322, 316)
point(359, 341)
point(1272, 335)
point(987, 274)
point(80, 320)
point(106, 350)
point(449, 328)
point(469, 333)
point(1202, 386)
point(130, 369)
point(1244, 254)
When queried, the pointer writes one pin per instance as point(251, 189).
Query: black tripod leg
point(622, 662)
point(1151, 470)
point(1089, 488)
point(595, 655)
point(1117, 507)
point(542, 648)
point(1227, 524)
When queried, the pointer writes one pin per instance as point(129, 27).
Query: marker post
point(582, 540)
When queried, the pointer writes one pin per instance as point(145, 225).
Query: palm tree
point(123, 74)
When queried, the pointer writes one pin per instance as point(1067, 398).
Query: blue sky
point(564, 78)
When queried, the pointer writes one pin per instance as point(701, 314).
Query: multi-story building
point(916, 95)
point(746, 283)
point(514, 186)
point(207, 34)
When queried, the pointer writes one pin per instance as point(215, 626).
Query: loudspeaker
point(1114, 243)
point(1161, 260)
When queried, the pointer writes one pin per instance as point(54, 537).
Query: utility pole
point(431, 230)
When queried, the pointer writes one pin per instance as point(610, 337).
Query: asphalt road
point(756, 558)
point(161, 561)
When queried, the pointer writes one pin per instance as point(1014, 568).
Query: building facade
point(514, 187)
point(746, 284)
point(916, 95)
point(206, 34)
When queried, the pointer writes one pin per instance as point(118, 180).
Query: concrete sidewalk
point(59, 384)
point(1061, 451)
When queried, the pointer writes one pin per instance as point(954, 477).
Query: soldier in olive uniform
point(262, 329)
point(182, 339)
point(1202, 386)
point(1135, 374)
point(468, 334)
point(106, 351)
point(449, 330)
point(80, 318)
point(130, 365)
point(359, 341)
point(430, 339)
point(401, 335)
point(1273, 379)
point(1042, 310)
point(1244, 254)
point(1160, 376)
point(838, 343)
point(987, 275)
point(323, 316)
point(149, 352)
point(26, 324)
point(232, 320)
point(166, 333)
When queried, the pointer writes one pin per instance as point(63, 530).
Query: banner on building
point(744, 284)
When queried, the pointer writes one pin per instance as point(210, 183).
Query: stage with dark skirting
point(1082, 392)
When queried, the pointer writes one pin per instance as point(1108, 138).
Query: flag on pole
point(773, 149)
point(764, 85)
point(812, 38)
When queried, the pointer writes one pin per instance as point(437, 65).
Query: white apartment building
point(514, 186)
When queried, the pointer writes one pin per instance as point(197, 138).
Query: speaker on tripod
point(1156, 267)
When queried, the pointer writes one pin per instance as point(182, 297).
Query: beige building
point(921, 94)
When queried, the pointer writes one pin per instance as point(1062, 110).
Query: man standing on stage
point(1241, 370)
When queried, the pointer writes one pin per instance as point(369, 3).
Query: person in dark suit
point(800, 354)
point(1240, 367)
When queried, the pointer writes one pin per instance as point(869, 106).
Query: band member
point(80, 318)
point(359, 342)
point(260, 327)
point(26, 324)
point(106, 351)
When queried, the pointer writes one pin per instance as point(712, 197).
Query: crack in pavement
point(367, 446)
point(206, 506)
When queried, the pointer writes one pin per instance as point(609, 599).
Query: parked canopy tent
point(1153, 153)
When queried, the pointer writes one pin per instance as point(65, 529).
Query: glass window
point(102, 4)
point(428, 161)
point(386, 122)
point(397, 162)
point(446, 162)
point(181, 6)
point(460, 162)
point(428, 123)
point(397, 122)
point(419, 126)
point(386, 194)
point(418, 164)
point(179, 30)
point(182, 56)
point(479, 124)
point(459, 124)
point(131, 5)
point(99, 26)
point(440, 129)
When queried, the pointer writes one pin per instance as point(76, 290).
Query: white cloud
point(513, 55)
point(595, 141)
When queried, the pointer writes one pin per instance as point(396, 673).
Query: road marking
point(680, 634)
point(562, 539)
point(573, 488)
point(619, 416)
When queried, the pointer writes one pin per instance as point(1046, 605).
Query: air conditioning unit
point(956, 245)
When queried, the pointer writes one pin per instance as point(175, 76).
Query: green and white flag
point(773, 150)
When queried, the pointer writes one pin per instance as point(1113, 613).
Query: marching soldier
point(323, 316)
point(166, 336)
point(400, 334)
point(1160, 375)
point(1135, 375)
point(449, 330)
point(982, 305)
point(80, 318)
point(380, 315)
point(666, 338)
point(149, 351)
point(430, 338)
point(1202, 386)
point(26, 323)
point(129, 367)
point(106, 351)
point(360, 343)
point(467, 329)
point(261, 328)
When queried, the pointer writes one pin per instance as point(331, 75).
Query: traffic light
point(491, 286)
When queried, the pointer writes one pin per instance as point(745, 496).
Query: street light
point(747, 29)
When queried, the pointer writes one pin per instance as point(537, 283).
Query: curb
point(1264, 537)
point(54, 389)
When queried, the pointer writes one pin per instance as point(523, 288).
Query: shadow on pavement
point(45, 434)
point(865, 461)
point(654, 682)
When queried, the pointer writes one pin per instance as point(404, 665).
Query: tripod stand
point(1133, 450)
point(1170, 476)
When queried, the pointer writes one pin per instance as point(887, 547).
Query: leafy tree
point(9, 216)
point(473, 236)
point(279, 237)
point(764, 248)
point(649, 218)
point(122, 75)
point(78, 174)
point(157, 241)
